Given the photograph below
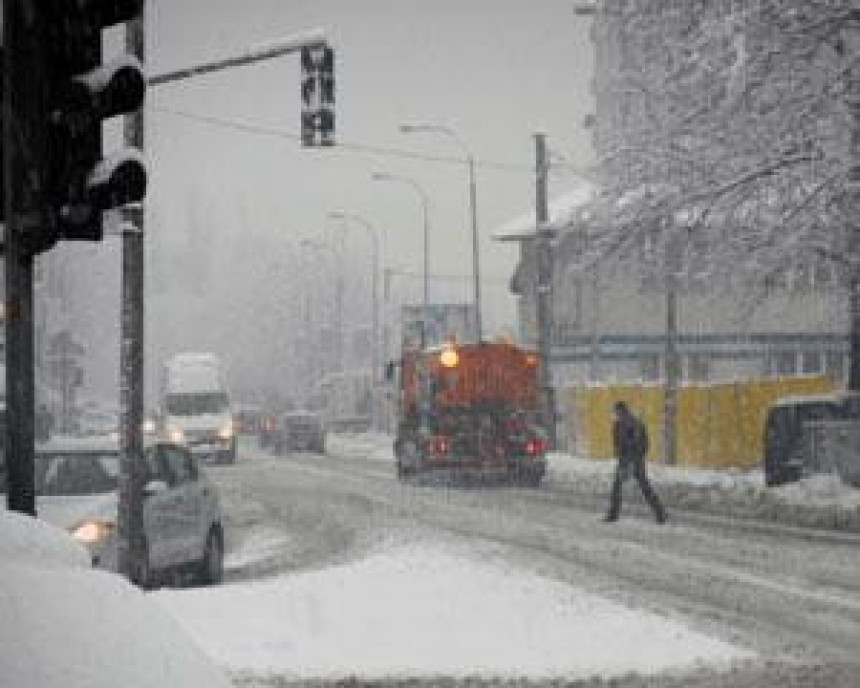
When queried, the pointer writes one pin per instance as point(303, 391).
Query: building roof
point(563, 209)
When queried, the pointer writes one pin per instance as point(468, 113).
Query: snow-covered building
point(610, 314)
point(690, 227)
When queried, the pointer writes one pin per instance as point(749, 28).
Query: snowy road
point(782, 605)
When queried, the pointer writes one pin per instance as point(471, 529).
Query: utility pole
point(386, 339)
point(672, 375)
point(476, 267)
point(851, 53)
point(543, 255)
point(131, 543)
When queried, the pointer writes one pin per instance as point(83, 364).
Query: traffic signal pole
point(131, 543)
point(23, 143)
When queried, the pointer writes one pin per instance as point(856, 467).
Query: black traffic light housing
point(77, 184)
point(317, 92)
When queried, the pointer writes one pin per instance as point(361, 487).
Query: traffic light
point(317, 92)
point(80, 93)
point(326, 113)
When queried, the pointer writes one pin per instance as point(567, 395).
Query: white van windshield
point(197, 403)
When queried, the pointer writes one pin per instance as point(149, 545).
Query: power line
point(260, 130)
point(450, 277)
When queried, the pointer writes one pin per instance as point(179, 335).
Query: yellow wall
point(719, 425)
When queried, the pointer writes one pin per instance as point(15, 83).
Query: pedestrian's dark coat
point(627, 434)
point(630, 437)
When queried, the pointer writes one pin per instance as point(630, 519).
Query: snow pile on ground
point(366, 445)
point(821, 501)
point(261, 544)
point(26, 540)
point(421, 612)
point(64, 624)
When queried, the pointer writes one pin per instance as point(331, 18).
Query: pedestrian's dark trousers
point(621, 472)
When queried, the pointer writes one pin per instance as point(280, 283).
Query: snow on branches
point(724, 125)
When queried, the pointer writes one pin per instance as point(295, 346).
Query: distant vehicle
point(300, 430)
point(195, 406)
point(79, 627)
point(266, 431)
point(77, 490)
point(346, 399)
point(248, 418)
point(470, 409)
point(786, 448)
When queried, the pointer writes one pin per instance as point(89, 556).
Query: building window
point(834, 366)
point(649, 367)
point(785, 363)
point(781, 363)
point(698, 367)
point(811, 362)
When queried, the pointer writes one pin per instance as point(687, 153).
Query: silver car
point(77, 487)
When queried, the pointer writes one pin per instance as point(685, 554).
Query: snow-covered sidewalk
point(426, 611)
point(821, 501)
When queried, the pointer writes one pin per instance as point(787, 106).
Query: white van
point(195, 406)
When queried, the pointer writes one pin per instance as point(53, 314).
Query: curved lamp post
point(473, 210)
point(374, 238)
point(386, 177)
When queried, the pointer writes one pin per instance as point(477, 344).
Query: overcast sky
point(232, 190)
point(494, 70)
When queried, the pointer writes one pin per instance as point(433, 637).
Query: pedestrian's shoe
point(610, 518)
point(662, 517)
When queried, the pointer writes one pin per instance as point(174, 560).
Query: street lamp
point(374, 237)
point(473, 208)
point(386, 177)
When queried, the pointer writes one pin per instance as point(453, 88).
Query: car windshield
point(192, 404)
point(78, 473)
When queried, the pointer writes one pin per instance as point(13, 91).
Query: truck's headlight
point(92, 532)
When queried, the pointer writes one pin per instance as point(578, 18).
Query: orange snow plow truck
point(471, 410)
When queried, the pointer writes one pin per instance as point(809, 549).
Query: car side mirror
point(154, 487)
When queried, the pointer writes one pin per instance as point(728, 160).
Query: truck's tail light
point(441, 445)
point(535, 447)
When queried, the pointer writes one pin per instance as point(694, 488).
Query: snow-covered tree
point(724, 132)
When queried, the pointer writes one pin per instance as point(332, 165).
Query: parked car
point(787, 455)
point(66, 624)
point(300, 430)
point(77, 489)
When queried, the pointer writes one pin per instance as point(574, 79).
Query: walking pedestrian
point(630, 440)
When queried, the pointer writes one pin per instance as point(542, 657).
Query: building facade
point(625, 306)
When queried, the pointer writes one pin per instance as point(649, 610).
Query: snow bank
point(821, 501)
point(27, 540)
point(366, 445)
point(64, 624)
point(421, 612)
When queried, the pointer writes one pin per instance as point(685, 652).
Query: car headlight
point(149, 427)
point(225, 432)
point(92, 532)
point(176, 435)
